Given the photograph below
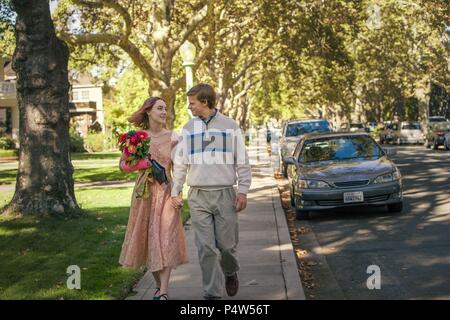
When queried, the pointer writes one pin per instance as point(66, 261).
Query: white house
point(9, 111)
point(86, 102)
point(86, 107)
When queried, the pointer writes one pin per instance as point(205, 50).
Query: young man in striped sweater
point(211, 153)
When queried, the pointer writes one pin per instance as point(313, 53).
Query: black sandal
point(155, 295)
point(164, 296)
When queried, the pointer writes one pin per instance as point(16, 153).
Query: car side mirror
point(290, 160)
point(390, 151)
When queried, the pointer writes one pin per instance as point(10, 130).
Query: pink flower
point(126, 152)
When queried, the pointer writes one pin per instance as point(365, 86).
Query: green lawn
point(8, 153)
point(88, 167)
point(35, 253)
point(113, 155)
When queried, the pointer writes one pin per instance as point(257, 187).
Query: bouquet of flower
point(134, 145)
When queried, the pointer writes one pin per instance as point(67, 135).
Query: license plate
point(350, 197)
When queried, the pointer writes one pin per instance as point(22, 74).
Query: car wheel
point(301, 214)
point(395, 207)
point(447, 146)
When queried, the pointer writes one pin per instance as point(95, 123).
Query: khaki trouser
point(215, 225)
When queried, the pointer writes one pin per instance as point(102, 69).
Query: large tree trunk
point(44, 183)
point(422, 94)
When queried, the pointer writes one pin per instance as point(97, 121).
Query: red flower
point(134, 140)
point(142, 135)
point(126, 152)
point(123, 137)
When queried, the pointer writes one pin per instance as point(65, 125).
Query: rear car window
point(296, 129)
point(411, 126)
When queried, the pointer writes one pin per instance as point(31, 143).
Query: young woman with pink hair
point(155, 236)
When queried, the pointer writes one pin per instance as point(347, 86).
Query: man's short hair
point(204, 92)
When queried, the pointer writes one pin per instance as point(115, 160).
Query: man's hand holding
point(241, 202)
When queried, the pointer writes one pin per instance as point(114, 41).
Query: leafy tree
point(149, 33)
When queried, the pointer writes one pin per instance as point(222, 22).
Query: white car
point(410, 132)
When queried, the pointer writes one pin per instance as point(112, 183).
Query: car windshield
point(296, 129)
point(411, 126)
point(356, 125)
point(442, 127)
point(340, 148)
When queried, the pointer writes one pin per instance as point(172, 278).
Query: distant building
point(86, 103)
point(85, 106)
point(9, 111)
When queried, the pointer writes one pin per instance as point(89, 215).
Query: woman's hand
point(177, 202)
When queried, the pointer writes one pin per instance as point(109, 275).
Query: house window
point(85, 94)
point(5, 121)
point(80, 95)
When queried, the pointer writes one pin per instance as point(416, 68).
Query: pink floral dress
point(155, 235)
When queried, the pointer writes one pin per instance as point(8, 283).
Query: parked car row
point(348, 167)
point(403, 132)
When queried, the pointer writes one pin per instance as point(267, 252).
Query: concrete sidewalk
point(267, 259)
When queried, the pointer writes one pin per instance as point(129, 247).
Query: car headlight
point(312, 184)
point(388, 177)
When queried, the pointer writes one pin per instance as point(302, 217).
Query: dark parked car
point(438, 135)
point(342, 169)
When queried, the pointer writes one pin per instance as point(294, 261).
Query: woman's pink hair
point(140, 117)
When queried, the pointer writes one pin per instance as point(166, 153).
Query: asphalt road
point(411, 249)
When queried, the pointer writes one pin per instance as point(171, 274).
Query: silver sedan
point(331, 170)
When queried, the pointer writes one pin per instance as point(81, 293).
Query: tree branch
point(197, 20)
point(113, 5)
point(125, 44)
point(249, 63)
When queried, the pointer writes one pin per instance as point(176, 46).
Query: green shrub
point(76, 141)
point(7, 143)
point(95, 142)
